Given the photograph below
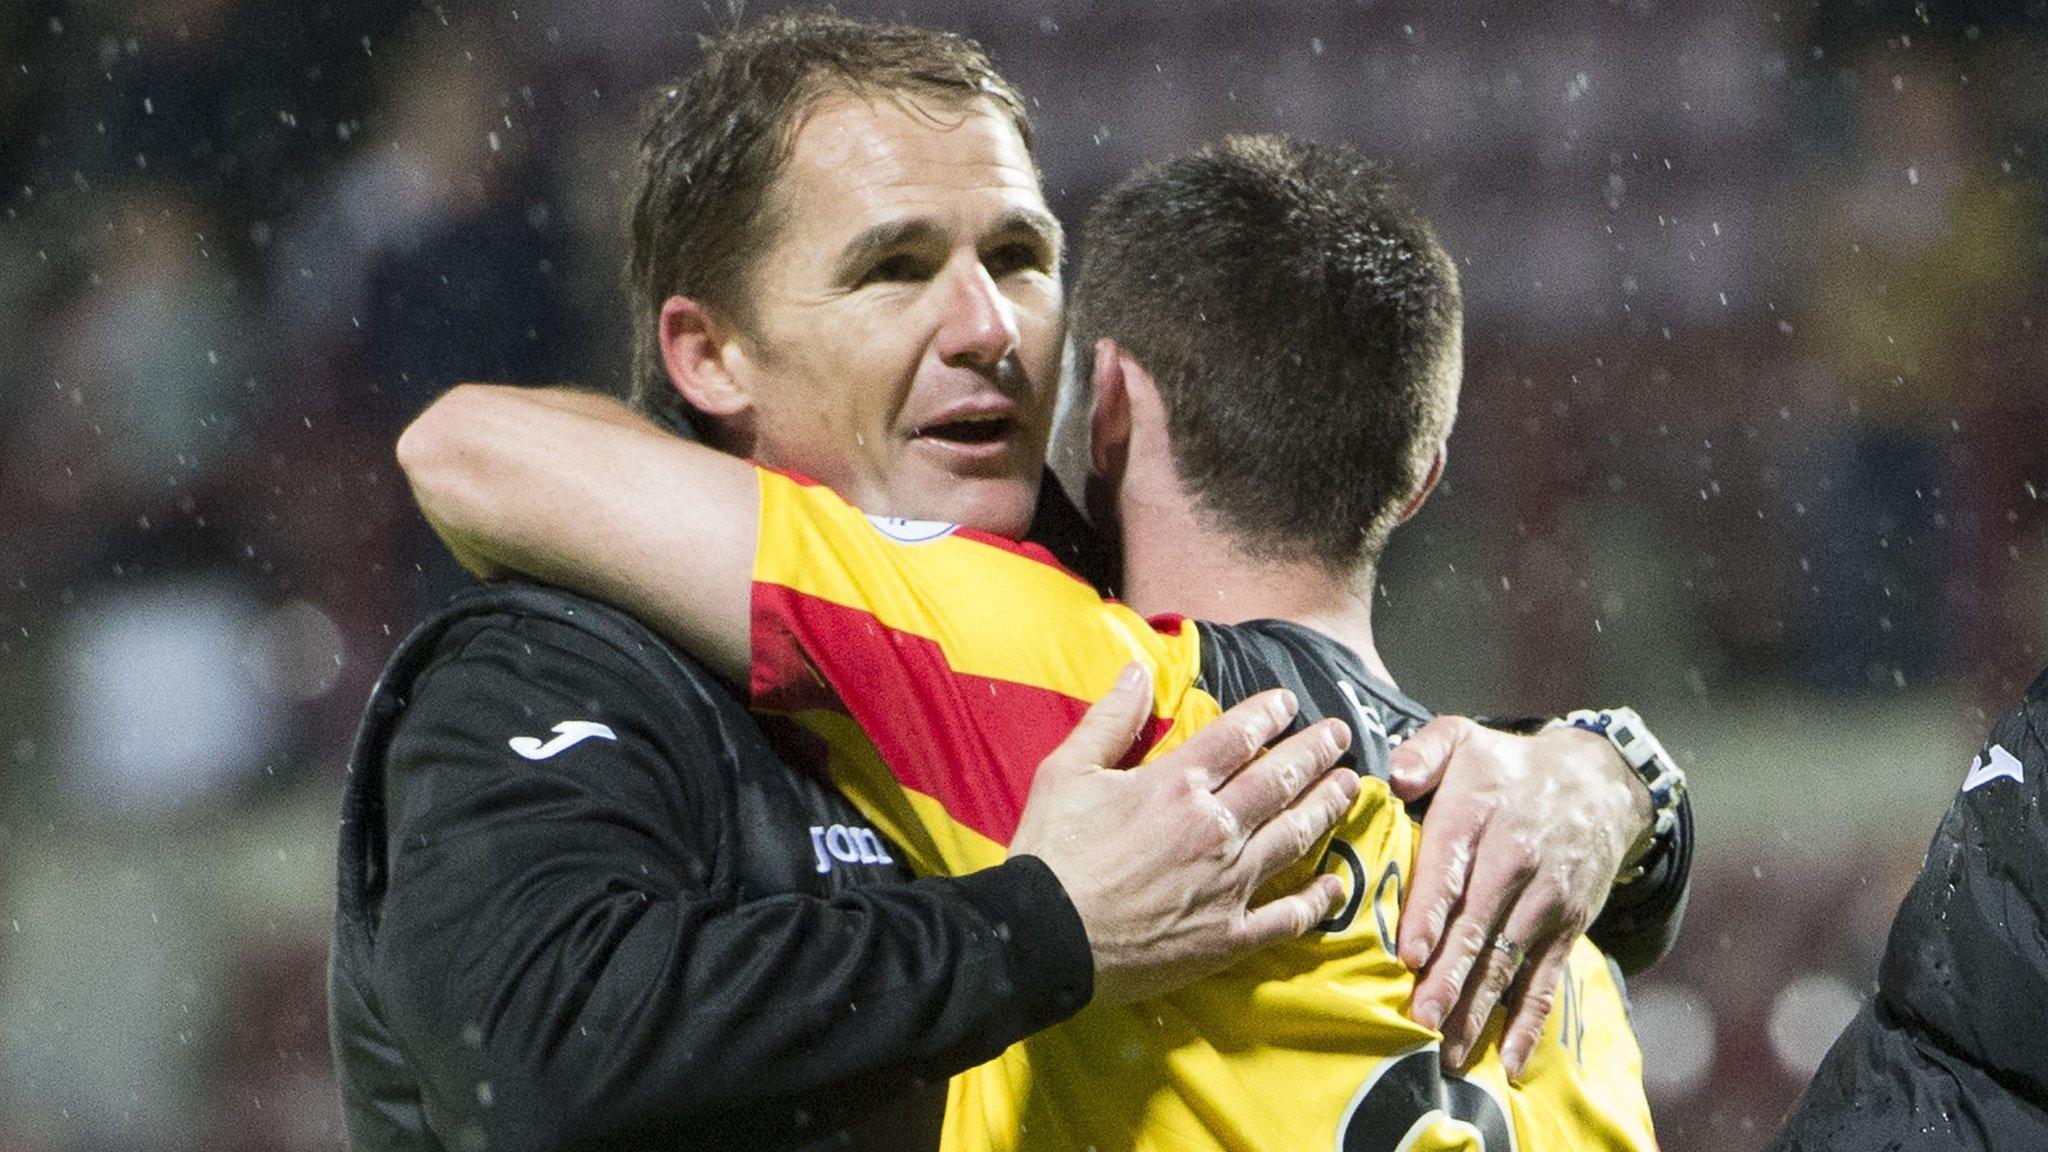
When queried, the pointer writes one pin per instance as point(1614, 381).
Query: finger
point(1230, 741)
point(1493, 973)
point(1110, 726)
point(1416, 765)
point(1492, 876)
point(1443, 866)
point(1288, 837)
point(1529, 1003)
point(1476, 985)
point(1289, 917)
point(1440, 983)
point(1269, 784)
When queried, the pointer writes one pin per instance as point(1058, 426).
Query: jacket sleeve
point(552, 959)
point(1640, 921)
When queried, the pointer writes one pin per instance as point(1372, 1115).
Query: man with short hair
point(895, 335)
point(763, 348)
point(580, 901)
point(1228, 297)
point(919, 378)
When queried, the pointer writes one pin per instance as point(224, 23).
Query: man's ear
point(695, 347)
point(1109, 427)
point(1436, 473)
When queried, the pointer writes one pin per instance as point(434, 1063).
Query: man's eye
point(1013, 258)
point(896, 269)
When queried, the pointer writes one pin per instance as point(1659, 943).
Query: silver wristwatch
point(1646, 757)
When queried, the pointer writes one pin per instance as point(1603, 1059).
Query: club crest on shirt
point(905, 531)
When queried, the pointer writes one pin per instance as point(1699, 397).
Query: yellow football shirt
point(940, 665)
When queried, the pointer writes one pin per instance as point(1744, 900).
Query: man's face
point(907, 327)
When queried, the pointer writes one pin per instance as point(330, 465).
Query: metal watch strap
point(1646, 757)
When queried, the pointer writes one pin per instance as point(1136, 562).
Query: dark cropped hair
point(713, 142)
point(1303, 325)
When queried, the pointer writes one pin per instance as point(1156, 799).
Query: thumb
point(1111, 724)
point(1417, 765)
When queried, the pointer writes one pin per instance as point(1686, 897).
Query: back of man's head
point(1302, 323)
point(714, 141)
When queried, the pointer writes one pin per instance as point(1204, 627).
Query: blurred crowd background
point(1752, 438)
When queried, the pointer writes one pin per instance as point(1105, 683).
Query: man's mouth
point(985, 429)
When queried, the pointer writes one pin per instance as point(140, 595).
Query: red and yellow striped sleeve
point(964, 657)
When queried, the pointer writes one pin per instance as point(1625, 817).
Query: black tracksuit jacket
point(664, 936)
point(661, 938)
point(1952, 1052)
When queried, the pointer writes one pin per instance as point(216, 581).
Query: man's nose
point(979, 326)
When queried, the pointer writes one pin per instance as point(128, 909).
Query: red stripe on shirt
point(970, 742)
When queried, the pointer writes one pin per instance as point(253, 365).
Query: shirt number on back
point(1409, 1094)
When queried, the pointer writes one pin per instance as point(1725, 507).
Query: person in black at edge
point(581, 901)
point(1952, 1051)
